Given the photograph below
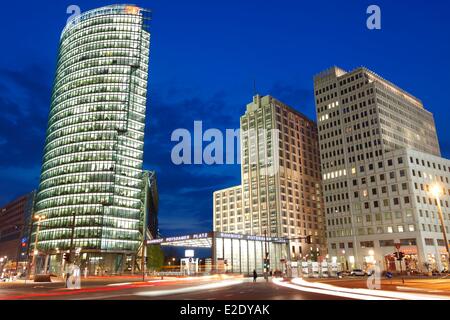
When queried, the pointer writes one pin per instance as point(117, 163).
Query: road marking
point(203, 287)
point(119, 284)
point(102, 297)
point(327, 292)
point(418, 289)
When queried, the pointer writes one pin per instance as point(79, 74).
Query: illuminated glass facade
point(91, 180)
point(233, 252)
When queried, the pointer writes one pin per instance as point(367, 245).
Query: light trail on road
point(376, 293)
point(209, 286)
point(356, 293)
point(335, 293)
point(113, 287)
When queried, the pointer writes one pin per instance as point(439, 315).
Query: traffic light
point(399, 255)
point(66, 256)
point(308, 239)
point(266, 265)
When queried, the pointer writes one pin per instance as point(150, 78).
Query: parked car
point(358, 273)
point(277, 274)
point(341, 274)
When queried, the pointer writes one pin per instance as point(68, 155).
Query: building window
point(367, 244)
point(387, 243)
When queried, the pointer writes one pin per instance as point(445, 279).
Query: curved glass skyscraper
point(91, 187)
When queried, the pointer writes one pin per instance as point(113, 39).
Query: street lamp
point(39, 218)
point(436, 190)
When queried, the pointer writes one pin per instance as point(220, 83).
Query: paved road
point(246, 290)
point(230, 289)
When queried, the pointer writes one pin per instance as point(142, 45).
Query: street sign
point(189, 253)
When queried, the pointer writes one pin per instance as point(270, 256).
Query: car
point(341, 274)
point(277, 274)
point(358, 273)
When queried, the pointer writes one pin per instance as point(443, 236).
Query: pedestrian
point(255, 275)
point(67, 277)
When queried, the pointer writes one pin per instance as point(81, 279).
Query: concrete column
point(421, 254)
point(240, 257)
point(248, 258)
point(46, 263)
point(213, 254)
point(133, 261)
point(439, 266)
point(232, 260)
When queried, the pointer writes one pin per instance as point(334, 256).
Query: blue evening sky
point(204, 58)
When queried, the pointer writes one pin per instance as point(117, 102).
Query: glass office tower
point(90, 191)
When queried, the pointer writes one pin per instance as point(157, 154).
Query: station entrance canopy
point(206, 239)
point(235, 253)
point(196, 240)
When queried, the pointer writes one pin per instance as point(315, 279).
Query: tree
point(155, 258)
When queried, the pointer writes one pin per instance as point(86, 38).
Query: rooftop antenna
point(254, 87)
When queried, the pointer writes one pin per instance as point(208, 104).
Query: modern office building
point(15, 227)
point(280, 194)
point(379, 154)
point(151, 201)
point(90, 192)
